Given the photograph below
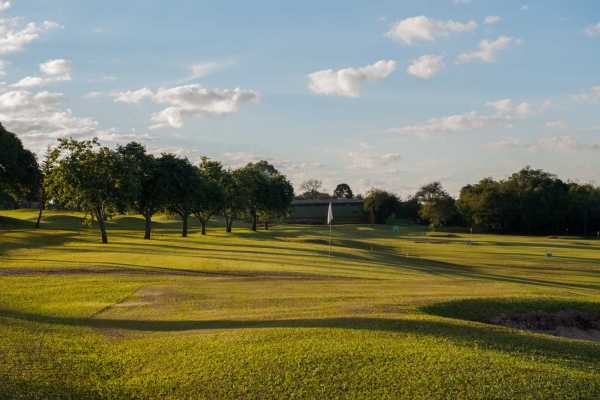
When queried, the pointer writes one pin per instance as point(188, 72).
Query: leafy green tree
point(234, 197)
point(43, 189)
point(343, 191)
point(181, 183)
point(211, 194)
point(380, 205)
point(19, 171)
point(276, 199)
point(436, 206)
point(147, 190)
point(311, 190)
point(85, 177)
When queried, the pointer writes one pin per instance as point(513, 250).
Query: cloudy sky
point(391, 94)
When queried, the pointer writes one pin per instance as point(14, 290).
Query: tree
point(255, 179)
point(211, 194)
point(85, 177)
point(343, 191)
point(44, 190)
point(380, 205)
point(276, 199)
point(436, 206)
point(147, 194)
point(181, 183)
point(311, 189)
point(19, 171)
point(234, 197)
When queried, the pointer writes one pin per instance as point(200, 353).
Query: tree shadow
point(491, 337)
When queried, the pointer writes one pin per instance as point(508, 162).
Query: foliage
point(210, 194)
point(380, 205)
point(343, 191)
point(19, 172)
point(437, 207)
point(182, 184)
point(84, 176)
point(311, 190)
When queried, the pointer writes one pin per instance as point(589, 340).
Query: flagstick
point(330, 239)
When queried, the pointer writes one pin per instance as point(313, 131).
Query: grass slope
point(270, 315)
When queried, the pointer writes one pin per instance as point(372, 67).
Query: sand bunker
point(565, 323)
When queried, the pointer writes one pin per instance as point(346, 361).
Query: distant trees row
point(88, 176)
point(530, 201)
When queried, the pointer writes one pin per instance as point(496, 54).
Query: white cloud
point(55, 71)
point(39, 119)
point(370, 160)
point(347, 81)
point(3, 65)
point(593, 30)
point(421, 28)
point(488, 50)
point(425, 67)
point(93, 95)
point(4, 5)
point(197, 101)
point(505, 108)
point(591, 95)
point(505, 112)
point(132, 96)
point(559, 124)
point(56, 67)
point(202, 69)
point(554, 144)
point(461, 2)
point(15, 34)
point(492, 19)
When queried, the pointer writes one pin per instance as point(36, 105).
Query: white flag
point(330, 214)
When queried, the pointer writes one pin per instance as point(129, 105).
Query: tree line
point(102, 181)
point(530, 201)
point(84, 175)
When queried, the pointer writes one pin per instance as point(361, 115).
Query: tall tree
point(343, 191)
point(181, 183)
point(85, 176)
point(147, 190)
point(255, 179)
point(44, 190)
point(211, 194)
point(234, 197)
point(380, 205)
point(436, 205)
point(311, 189)
point(276, 199)
point(19, 171)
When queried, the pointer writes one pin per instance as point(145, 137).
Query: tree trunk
point(254, 220)
point(100, 216)
point(147, 232)
point(266, 224)
point(203, 225)
point(39, 218)
point(228, 224)
point(184, 226)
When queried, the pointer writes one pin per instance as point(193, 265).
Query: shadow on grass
point(495, 338)
point(483, 310)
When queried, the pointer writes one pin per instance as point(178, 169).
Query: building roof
point(325, 202)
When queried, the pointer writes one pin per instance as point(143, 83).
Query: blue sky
point(388, 94)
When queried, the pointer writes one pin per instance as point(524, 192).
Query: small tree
point(380, 205)
point(147, 195)
point(181, 183)
point(84, 176)
point(343, 191)
point(437, 206)
point(311, 189)
point(210, 196)
point(44, 185)
point(234, 197)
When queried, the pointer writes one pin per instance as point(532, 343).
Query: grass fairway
point(270, 315)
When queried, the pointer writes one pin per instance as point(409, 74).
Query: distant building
point(345, 211)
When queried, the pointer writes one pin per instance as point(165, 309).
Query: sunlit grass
point(271, 315)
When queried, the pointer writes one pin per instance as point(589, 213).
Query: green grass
point(270, 315)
